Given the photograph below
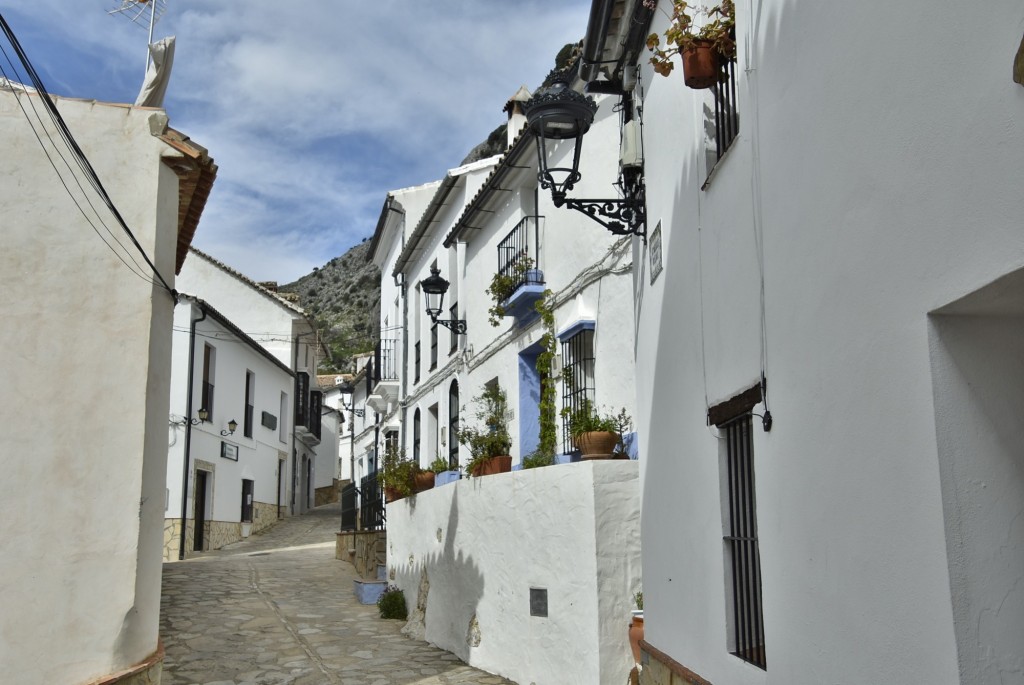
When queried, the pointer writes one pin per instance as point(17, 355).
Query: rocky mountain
point(343, 296)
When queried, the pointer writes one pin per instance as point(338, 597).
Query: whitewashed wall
point(81, 564)
point(257, 456)
point(457, 552)
point(883, 184)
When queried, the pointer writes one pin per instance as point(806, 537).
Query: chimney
point(516, 118)
point(269, 285)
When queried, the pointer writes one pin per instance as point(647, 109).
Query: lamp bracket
point(456, 325)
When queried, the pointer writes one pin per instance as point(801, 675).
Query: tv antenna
point(145, 13)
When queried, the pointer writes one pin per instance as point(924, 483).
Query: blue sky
point(312, 110)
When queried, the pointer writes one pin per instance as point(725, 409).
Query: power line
point(76, 151)
point(139, 273)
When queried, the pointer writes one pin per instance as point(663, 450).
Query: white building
point(82, 512)
point(229, 433)
point(486, 557)
point(280, 326)
point(852, 260)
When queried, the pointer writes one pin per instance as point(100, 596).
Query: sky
point(313, 111)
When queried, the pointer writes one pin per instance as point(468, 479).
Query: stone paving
point(278, 609)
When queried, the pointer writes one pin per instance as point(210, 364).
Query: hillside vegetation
point(343, 296)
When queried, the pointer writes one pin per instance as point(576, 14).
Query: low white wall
point(467, 555)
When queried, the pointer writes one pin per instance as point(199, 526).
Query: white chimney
point(516, 118)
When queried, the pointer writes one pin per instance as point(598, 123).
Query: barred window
point(743, 560)
point(578, 378)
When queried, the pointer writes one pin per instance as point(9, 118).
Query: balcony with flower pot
point(518, 283)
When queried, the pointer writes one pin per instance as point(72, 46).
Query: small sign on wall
point(228, 451)
point(655, 253)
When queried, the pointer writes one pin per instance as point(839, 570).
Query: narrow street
point(279, 609)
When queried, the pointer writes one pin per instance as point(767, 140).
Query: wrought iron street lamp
point(557, 112)
point(232, 425)
point(348, 389)
point(434, 287)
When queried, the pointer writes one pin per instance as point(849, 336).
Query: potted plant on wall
point(443, 472)
point(396, 474)
point(489, 445)
point(701, 48)
point(636, 626)
point(597, 435)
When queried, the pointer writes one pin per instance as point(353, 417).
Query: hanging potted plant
point(489, 445)
point(701, 48)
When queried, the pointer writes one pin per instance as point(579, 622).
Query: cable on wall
point(76, 151)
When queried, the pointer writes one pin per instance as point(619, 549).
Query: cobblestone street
point(279, 609)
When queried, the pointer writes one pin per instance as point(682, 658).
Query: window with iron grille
point(416, 437)
point(453, 425)
point(209, 371)
point(453, 337)
point(743, 560)
point(433, 347)
point(723, 124)
point(577, 377)
point(416, 365)
point(250, 394)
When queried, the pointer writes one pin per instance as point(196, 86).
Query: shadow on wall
point(455, 583)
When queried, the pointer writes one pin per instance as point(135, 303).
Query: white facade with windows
point(480, 219)
point(237, 481)
point(858, 247)
point(281, 327)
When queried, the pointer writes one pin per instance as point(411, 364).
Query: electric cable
point(79, 155)
point(140, 272)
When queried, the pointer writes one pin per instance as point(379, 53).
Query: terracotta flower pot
point(597, 444)
point(636, 633)
point(424, 480)
point(390, 494)
point(701, 68)
point(501, 464)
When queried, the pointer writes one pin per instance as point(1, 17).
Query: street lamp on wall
point(347, 388)
point(557, 112)
point(434, 287)
point(232, 425)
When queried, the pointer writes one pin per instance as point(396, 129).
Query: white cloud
point(314, 110)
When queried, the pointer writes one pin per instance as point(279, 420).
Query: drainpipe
point(188, 426)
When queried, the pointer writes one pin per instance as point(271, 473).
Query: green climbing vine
point(503, 286)
point(545, 454)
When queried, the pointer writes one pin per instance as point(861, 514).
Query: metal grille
point(349, 506)
point(386, 360)
point(578, 377)
point(302, 398)
point(433, 347)
point(316, 403)
point(727, 118)
point(453, 425)
point(519, 245)
point(416, 437)
point(416, 357)
point(744, 557)
point(453, 314)
point(371, 504)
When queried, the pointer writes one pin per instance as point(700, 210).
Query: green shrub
point(392, 604)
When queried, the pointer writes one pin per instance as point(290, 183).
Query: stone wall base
point(146, 673)
point(362, 549)
point(659, 668)
point(216, 534)
point(327, 494)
